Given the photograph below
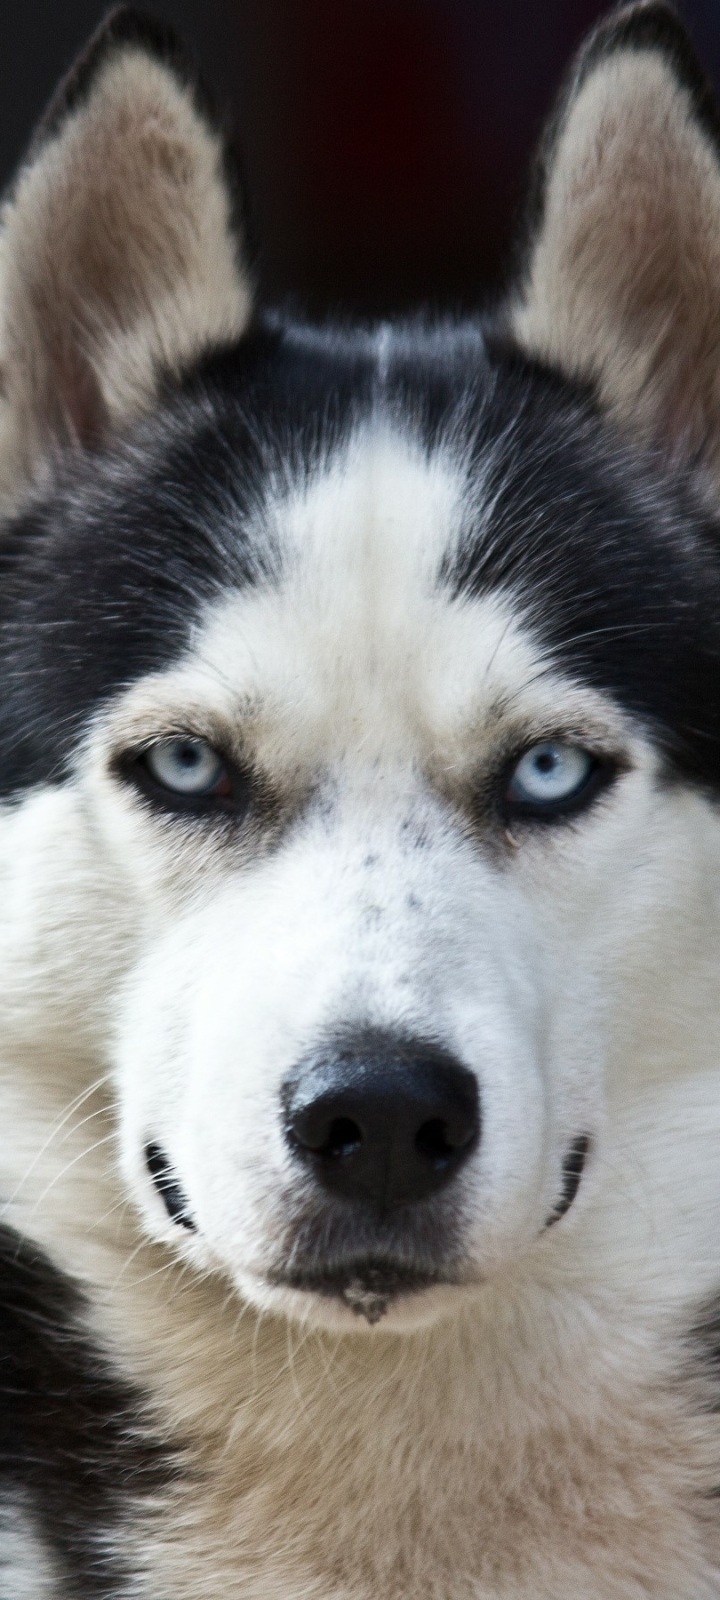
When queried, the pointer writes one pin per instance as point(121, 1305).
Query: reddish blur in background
point(385, 142)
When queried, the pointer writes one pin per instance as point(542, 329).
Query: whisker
point(109, 1138)
point(74, 1105)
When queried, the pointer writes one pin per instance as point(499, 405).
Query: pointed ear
point(622, 283)
point(120, 253)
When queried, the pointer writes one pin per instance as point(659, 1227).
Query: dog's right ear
point(120, 256)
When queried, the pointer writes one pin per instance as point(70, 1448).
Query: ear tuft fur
point(649, 25)
point(123, 25)
point(622, 274)
point(122, 252)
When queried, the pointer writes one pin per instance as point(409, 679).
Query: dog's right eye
point(187, 774)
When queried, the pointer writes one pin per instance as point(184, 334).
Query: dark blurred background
point(385, 142)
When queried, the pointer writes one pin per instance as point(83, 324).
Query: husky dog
point(360, 877)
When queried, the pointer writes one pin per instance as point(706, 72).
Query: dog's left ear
point(622, 282)
point(120, 256)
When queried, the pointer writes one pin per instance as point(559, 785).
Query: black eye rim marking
point(240, 789)
point(604, 771)
point(243, 787)
point(167, 1186)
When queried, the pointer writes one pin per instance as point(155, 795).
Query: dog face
point(372, 1030)
point(357, 695)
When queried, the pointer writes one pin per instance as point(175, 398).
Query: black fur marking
point(167, 1186)
point(573, 1168)
point(646, 26)
point(103, 581)
point(612, 560)
point(75, 1442)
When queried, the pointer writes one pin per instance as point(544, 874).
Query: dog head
point(356, 680)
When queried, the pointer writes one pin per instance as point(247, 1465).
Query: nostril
point(441, 1143)
point(315, 1130)
point(344, 1139)
point(433, 1142)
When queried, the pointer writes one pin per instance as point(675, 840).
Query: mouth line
point(365, 1284)
point(366, 1287)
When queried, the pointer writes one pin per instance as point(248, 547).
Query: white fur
point(26, 1570)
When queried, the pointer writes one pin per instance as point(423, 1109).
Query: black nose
point(383, 1120)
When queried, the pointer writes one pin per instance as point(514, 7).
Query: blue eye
point(187, 767)
point(551, 778)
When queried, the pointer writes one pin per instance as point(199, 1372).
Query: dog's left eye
point(552, 778)
point(187, 767)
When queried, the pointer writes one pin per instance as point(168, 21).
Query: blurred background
point(385, 142)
